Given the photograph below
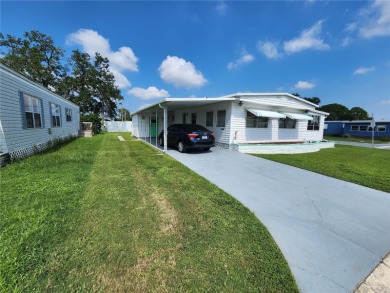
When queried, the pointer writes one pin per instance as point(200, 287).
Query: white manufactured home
point(248, 122)
point(31, 116)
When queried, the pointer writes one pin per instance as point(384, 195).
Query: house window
point(221, 118)
point(381, 128)
point(209, 118)
point(184, 118)
point(287, 123)
point(354, 128)
point(32, 109)
point(314, 124)
point(363, 127)
point(193, 118)
point(252, 121)
point(55, 115)
point(68, 114)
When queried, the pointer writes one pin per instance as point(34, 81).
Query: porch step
point(85, 133)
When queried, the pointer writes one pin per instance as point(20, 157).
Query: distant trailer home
point(358, 128)
point(31, 116)
point(247, 122)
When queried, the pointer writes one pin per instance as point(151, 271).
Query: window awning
point(298, 116)
point(264, 113)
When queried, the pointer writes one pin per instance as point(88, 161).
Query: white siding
point(222, 134)
point(17, 138)
point(280, 102)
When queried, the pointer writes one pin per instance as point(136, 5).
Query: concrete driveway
point(332, 233)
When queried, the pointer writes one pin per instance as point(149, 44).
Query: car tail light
point(212, 134)
point(192, 135)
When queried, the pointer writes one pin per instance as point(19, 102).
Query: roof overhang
point(181, 103)
point(264, 113)
point(298, 116)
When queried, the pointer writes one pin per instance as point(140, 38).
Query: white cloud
point(363, 70)
point(120, 61)
point(221, 8)
point(244, 58)
point(384, 102)
point(351, 27)
point(269, 49)
point(149, 93)
point(346, 41)
point(181, 73)
point(304, 85)
point(375, 20)
point(309, 39)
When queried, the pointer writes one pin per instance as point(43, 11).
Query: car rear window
point(194, 127)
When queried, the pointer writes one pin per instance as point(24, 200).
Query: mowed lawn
point(361, 165)
point(101, 215)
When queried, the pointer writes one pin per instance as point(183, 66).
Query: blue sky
point(338, 51)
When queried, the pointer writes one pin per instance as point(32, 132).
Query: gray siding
point(14, 136)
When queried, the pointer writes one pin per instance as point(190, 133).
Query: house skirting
point(285, 148)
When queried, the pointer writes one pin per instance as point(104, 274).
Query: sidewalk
point(378, 280)
point(383, 146)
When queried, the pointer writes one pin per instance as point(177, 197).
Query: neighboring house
point(357, 128)
point(31, 116)
point(238, 119)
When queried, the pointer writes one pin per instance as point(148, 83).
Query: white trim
point(264, 113)
point(298, 116)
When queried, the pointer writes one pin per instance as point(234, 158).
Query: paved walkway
point(332, 233)
point(383, 146)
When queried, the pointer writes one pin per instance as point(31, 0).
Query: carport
point(146, 120)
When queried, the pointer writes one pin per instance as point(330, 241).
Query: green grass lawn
point(108, 216)
point(364, 166)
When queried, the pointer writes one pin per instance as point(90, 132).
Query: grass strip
point(144, 223)
point(360, 165)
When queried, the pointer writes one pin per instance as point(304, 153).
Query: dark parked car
point(188, 136)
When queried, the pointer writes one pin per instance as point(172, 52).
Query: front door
point(153, 128)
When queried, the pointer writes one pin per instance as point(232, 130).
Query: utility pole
point(372, 128)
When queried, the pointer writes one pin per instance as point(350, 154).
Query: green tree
point(35, 56)
point(357, 113)
point(124, 114)
point(107, 94)
point(91, 85)
point(336, 112)
point(314, 100)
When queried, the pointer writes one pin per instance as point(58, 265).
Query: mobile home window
point(32, 109)
point(354, 128)
point(209, 118)
point(252, 121)
point(381, 128)
point(287, 123)
point(363, 127)
point(314, 124)
point(68, 114)
point(221, 118)
point(193, 118)
point(55, 115)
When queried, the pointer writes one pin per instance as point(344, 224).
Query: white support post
point(165, 128)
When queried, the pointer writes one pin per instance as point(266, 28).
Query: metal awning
point(298, 116)
point(265, 113)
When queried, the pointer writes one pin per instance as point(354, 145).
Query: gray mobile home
point(31, 116)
